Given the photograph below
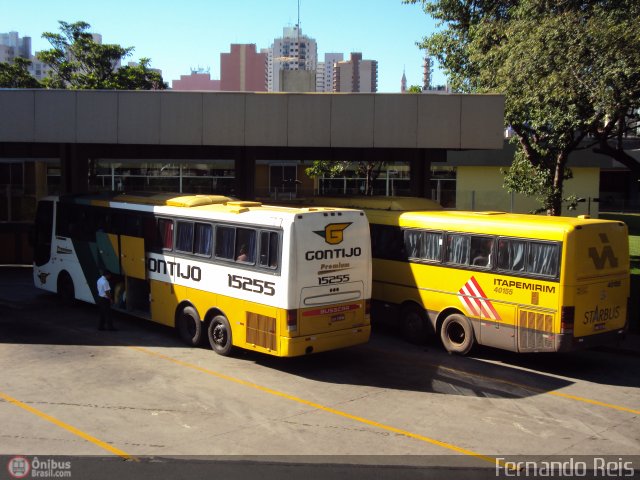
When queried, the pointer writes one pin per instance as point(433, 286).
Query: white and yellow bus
point(524, 283)
point(282, 281)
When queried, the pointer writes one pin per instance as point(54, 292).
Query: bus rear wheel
point(219, 333)
point(189, 326)
point(456, 334)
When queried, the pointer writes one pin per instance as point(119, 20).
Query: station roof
point(241, 119)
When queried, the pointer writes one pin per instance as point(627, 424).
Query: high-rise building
point(243, 69)
point(426, 75)
point(320, 77)
point(356, 75)
point(324, 72)
point(292, 51)
point(12, 46)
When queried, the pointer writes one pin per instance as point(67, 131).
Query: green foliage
point(368, 168)
point(78, 62)
point(570, 72)
point(536, 181)
point(139, 77)
point(326, 168)
point(16, 75)
point(414, 89)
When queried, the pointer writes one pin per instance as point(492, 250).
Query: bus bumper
point(297, 346)
point(567, 342)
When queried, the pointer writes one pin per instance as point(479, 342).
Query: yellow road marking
point(448, 446)
point(594, 402)
point(540, 390)
point(67, 427)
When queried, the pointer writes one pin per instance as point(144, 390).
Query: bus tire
point(189, 326)
point(65, 289)
point(456, 334)
point(219, 334)
point(414, 326)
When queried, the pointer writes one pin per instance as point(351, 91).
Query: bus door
point(131, 291)
point(482, 301)
point(499, 333)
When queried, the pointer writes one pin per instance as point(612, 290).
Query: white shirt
point(103, 287)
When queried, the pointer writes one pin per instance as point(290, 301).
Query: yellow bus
point(278, 280)
point(523, 283)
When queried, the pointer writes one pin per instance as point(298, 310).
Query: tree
point(368, 168)
point(570, 72)
point(16, 74)
point(139, 77)
point(78, 62)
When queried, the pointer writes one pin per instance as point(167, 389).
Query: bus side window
point(225, 242)
point(133, 225)
point(63, 219)
point(83, 223)
point(423, 245)
point(543, 259)
point(413, 243)
point(184, 237)
point(458, 249)
point(511, 254)
point(245, 245)
point(43, 227)
point(432, 247)
point(102, 220)
point(481, 248)
point(165, 234)
point(387, 242)
point(268, 250)
point(127, 223)
point(203, 239)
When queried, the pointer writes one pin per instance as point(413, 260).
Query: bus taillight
point(367, 306)
point(567, 316)
point(292, 320)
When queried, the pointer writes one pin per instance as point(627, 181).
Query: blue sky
point(180, 35)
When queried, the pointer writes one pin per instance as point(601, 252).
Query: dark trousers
point(105, 313)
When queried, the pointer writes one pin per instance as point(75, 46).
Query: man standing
point(104, 302)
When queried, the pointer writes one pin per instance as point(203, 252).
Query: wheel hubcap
point(219, 335)
point(456, 334)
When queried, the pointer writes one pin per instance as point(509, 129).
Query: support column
point(74, 169)
point(245, 168)
point(420, 169)
point(40, 179)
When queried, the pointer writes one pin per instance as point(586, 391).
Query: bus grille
point(261, 330)
point(535, 331)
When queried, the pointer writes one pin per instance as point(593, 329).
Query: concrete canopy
point(245, 126)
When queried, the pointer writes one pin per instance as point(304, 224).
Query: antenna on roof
point(298, 34)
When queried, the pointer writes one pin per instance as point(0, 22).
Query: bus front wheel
point(414, 324)
point(456, 334)
point(189, 326)
point(66, 290)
